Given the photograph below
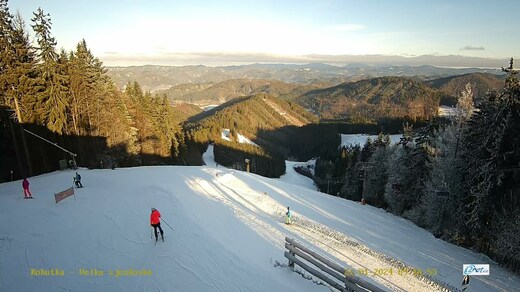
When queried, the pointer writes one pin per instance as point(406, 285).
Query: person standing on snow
point(26, 192)
point(288, 218)
point(77, 180)
point(155, 221)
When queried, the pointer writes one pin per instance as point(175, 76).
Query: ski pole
point(151, 232)
point(167, 224)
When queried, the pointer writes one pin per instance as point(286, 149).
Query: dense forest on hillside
point(481, 84)
point(211, 94)
point(241, 156)
point(365, 100)
point(247, 115)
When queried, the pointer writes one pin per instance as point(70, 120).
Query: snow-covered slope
point(106, 228)
point(228, 234)
point(226, 135)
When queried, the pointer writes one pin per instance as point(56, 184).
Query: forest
point(62, 94)
point(458, 178)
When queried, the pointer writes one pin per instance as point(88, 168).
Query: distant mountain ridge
point(154, 78)
point(358, 98)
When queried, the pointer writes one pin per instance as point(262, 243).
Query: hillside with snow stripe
point(226, 135)
point(229, 234)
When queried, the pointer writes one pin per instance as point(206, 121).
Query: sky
point(236, 32)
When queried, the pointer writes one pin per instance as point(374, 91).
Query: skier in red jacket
point(155, 221)
point(27, 194)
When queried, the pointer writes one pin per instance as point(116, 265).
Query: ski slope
point(228, 234)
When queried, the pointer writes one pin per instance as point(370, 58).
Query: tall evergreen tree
point(6, 50)
point(353, 182)
point(89, 86)
point(52, 102)
point(443, 188)
point(19, 73)
point(377, 171)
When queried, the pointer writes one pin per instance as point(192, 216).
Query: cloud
point(472, 48)
point(347, 27)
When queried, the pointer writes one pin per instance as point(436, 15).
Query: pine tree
point(19, 77)
point(89, 85)
point(465, 104)
point(442, 194)
point(353, 181)
point(52, 102)
point(377, 171)
point(6, 51)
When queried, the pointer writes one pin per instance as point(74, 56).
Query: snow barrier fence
point(328, 271)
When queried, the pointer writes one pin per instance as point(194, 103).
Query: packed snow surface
point(228, 235)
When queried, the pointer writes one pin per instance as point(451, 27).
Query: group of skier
point(27, 193)
point(155, 216)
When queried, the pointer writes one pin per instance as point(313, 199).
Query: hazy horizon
point(453, 62)
point(131, 33)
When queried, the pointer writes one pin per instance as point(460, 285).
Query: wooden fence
point(331, 273)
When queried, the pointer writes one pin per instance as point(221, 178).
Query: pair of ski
point(28, 198)
point(157, 239)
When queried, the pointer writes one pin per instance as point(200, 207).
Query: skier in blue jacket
point(288, 217)
point(77, 180)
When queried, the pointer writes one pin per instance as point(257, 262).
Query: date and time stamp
point(385, 272)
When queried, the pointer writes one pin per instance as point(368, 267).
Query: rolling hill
point(248, 115)
point(373, 98)
point(453, 86)
point(214, 94)
point(183, 111)
point(154, 78)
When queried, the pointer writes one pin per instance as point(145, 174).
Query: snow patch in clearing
point(447, 111)
point(226, 135)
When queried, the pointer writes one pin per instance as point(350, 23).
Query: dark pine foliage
point(491, 151)
point(234, 155)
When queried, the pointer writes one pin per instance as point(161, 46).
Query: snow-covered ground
point(447, 111)
point(209, 107)
point(293, 177)
point(228, 234)
point(360, 139)
point(226, 135)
